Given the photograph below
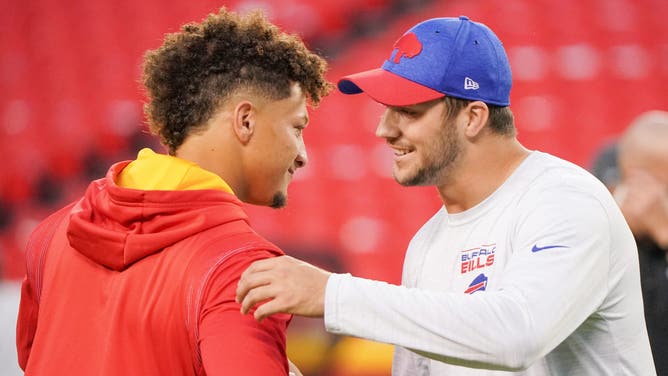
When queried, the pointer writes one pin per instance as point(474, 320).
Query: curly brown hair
point(196, 69)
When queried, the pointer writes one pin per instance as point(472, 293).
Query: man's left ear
point(478, 113)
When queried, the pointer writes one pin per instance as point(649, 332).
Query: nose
point(386, 126)
point(302, 157)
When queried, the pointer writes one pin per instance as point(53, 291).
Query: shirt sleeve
point(235, 344)
point(542, 297)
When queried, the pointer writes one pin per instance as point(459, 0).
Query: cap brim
point(387, 88)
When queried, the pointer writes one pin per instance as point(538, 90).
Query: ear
point(477, 114)
point(244, 121)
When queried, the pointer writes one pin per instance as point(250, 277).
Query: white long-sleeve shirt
point(541, 278)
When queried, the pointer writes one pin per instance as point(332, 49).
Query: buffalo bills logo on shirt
point(477, 258)
point(407, 46)
point(478, 284)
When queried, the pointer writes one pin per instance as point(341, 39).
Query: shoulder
point(545, 170)
point(215, 268)
point(559, 191)
point(229, 249)
point(45, 230)
point(552, 179)
point(53, 219)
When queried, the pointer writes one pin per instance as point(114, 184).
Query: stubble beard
point(446, 151)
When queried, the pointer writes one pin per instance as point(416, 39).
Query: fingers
point(267, 309)
point(247, 283)
point(254, 276)
point(257, 284)
point(256, 296)
point(282, 285)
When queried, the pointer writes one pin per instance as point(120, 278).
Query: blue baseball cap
point(439, 57)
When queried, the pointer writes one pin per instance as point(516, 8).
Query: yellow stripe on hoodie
point(153, 171)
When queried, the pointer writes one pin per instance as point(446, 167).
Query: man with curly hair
point(138, 277)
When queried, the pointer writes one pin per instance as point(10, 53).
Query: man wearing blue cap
point(528, 267)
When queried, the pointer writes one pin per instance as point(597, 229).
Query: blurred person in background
point(138, 277)
point(604, 165)
point(528, 267)
point(642, 195)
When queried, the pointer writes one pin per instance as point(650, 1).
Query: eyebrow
point(412, 107)
point(396, 108)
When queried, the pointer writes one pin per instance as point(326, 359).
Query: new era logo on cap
point(469, 84)
point(439, 57)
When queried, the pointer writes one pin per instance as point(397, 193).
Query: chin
point(420, 178)
point(403, 178)
point(279, 200)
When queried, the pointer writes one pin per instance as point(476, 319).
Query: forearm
point(456, 328)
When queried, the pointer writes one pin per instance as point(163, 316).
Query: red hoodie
point(134, 282)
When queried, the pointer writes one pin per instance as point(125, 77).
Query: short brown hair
point(196, 69)
point(500, 121)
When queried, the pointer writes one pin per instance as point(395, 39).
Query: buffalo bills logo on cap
point(408, 45)
point(479, 284)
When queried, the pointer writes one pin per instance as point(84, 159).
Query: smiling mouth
point(400, 152)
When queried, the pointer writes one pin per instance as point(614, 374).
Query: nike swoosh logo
point(536, 248)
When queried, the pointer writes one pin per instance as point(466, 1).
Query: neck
point(481, 171)
point(215, 151)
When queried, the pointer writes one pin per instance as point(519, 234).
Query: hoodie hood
point(115, 226)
